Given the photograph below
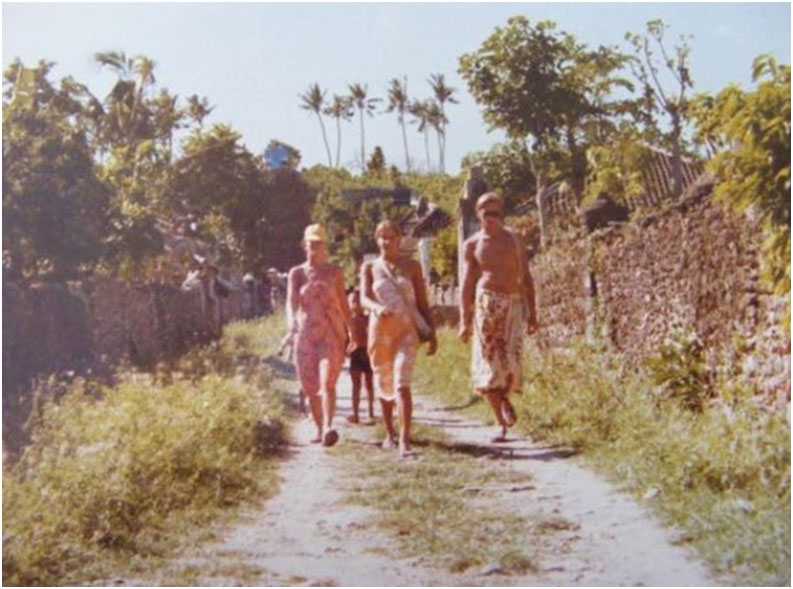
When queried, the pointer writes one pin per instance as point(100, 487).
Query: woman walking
point(393, 291)
point(319, 320)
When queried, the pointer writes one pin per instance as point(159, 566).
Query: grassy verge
point(426, 506)
point(721, 475)
point(115, 477)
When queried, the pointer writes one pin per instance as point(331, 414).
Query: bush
point(109, 478)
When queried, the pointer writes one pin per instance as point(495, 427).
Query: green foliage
point(56, 218)
point(615, 168)
point(376, 164)
point(681, 372)
point(443, 255)
point(108, 477)
point(506, 166)
point(752, 132)
point(351, 224)
point(721, 475)
point(550, 93)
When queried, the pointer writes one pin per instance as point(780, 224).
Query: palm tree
point(398, 101)
point(314, 100)
point(437, 120)
point(167, 118)
point(340, 108)
point(364, 105)
point(421, 115)
point(124, 104)
point(198, 109)
point(443, 94)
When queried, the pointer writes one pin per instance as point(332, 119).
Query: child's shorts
point(359, 361)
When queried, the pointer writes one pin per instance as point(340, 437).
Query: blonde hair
point(387, 224)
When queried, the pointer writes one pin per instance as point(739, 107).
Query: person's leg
point(405, 420)
point(327, 390)
point(355, 376)
point(496, 398)
point(316, 412)
point(307, 364)
point(369, 381)
point(388, 421)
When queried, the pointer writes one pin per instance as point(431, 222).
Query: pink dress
point(320, 335)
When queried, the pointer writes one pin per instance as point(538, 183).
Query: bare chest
point(496, 255)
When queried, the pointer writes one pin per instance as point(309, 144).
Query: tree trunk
point(442, 140)
point(325, 139)
point(578, 166)
point(539, 179)
point(440, 150)
point(363, 145)
point(405, 142)
point(338, 140)
point(427, 149)
point(677, 158)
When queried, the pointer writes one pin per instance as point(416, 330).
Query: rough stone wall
point(692, 268)
point(56, 328)
point(562, 282)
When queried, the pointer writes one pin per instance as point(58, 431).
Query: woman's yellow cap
point(315, 232)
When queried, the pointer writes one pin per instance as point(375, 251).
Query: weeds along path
point(511, 514)
point(582, 530)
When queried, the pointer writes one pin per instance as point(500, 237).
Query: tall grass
point(114, 473)
point(720, 473)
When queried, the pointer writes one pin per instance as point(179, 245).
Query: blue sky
point(253, 60)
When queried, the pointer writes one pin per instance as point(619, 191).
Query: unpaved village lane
point(308, 534)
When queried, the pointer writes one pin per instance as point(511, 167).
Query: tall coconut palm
point(399, 102)
point(443, 94)
point(198, 109)
point(364, 104)
point(125, 104)
point(314, 100)
point(340, 109)
point(420, 109)
point(167, 119)
point(437, 120)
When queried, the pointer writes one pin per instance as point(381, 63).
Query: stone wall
point(73, 327)
point(693, 268)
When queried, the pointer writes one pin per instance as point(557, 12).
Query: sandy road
point(309, 535)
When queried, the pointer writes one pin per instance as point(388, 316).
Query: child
point(359, 357)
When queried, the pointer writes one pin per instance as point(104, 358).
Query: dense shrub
point(109, 476)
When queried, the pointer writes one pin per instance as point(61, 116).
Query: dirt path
point(309, 535)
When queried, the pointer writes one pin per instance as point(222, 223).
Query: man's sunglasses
point(492, 214)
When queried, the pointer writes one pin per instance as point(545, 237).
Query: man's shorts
point(359, 361)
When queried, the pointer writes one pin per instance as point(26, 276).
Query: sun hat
point(315, 232)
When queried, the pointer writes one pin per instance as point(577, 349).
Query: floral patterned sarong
point(497, 341)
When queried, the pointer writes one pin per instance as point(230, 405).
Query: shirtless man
point(497, 292)
point(360, 365)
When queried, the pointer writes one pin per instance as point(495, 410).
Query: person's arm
point(368, 299)
point(422, 302)
point(345, 307)
point(468, 290)
point(292, 302)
